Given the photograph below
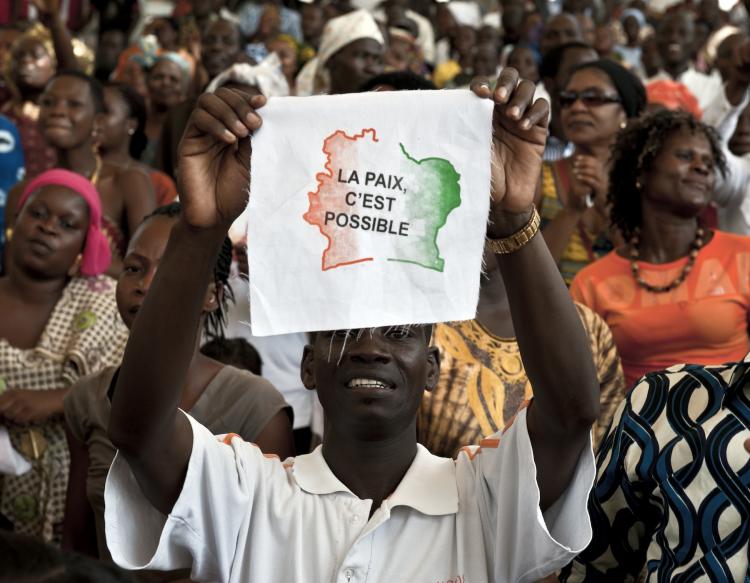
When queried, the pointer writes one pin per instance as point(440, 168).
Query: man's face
point(725, 55)
point(313, 22)
point(561, 29)
point(354, 65)
point(675, 39)
point(370, 381)
point(221, 47)
point(111, 45)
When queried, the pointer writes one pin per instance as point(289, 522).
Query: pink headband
point(96, 255)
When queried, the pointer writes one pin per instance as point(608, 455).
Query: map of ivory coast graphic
point(375, 202)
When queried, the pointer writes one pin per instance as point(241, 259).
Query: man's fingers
point(539, 113)
point(230, 108)
point(244, 105)
point(506, 85)
point(747, 445)
point(206, 123)
point(480, 86)
point(219, 109)
point(520, 100)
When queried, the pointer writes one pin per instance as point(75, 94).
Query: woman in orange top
point(675, 292)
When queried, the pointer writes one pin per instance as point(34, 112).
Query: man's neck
point(675, 71)
point(372, 470)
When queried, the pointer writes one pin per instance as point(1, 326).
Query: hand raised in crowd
point(30, 406)
point(48, 10)
point(590, 183)
point(519, 133)
point(215, 152)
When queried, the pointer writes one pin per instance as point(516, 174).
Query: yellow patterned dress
point(83, 335)
point(584, 246)
point(483, 384)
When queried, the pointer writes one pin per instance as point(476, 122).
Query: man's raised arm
point(213, 177)
point(552, 340)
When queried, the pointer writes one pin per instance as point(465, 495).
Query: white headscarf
point(266, 76)
point(466, 13)
point(338, 33)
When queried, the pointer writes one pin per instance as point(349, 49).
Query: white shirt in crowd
point(706, 88)
point(281, 354)
point(243, 516)
point(732, 192)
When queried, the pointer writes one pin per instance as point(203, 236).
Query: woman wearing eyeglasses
point(597, 102)
point(675, 291)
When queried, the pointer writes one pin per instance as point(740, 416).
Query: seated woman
point(123, 137)
point(674, 292)
point(167, 82)
point(483, 381)
point(597, 102)
point(225, 399)
point(59, 323)
point(72, 111)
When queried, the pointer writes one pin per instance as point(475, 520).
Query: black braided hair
point(633, 155)
point(215, 321)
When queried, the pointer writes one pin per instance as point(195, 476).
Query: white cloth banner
point(368, 210)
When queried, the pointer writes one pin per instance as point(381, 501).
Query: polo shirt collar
point(314, 476)
point(429, 485)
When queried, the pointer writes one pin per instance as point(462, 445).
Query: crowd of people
point(591, 423)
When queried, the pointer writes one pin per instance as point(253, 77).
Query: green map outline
point(440, 262)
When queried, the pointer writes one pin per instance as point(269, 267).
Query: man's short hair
point(552, 60)
point(399, 80)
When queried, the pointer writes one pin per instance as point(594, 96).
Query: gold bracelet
point(518, 239)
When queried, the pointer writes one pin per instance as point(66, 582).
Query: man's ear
point(433, 370)
point(307, 372)
point(212, 300)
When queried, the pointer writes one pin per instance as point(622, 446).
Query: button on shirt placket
point(355, 563)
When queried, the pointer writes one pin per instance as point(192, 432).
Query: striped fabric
point(671, 501)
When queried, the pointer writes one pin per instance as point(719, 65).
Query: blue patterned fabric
point(11, 169)
point(672, 495)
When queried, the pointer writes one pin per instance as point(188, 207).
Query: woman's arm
point(79, 528)
point(50, 14)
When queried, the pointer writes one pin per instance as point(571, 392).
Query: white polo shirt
point(243, 516)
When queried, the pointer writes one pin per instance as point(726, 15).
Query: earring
point(131, 131)
point(8, 234)
point(75, 268)
point(623, 125)
point(638, 185)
